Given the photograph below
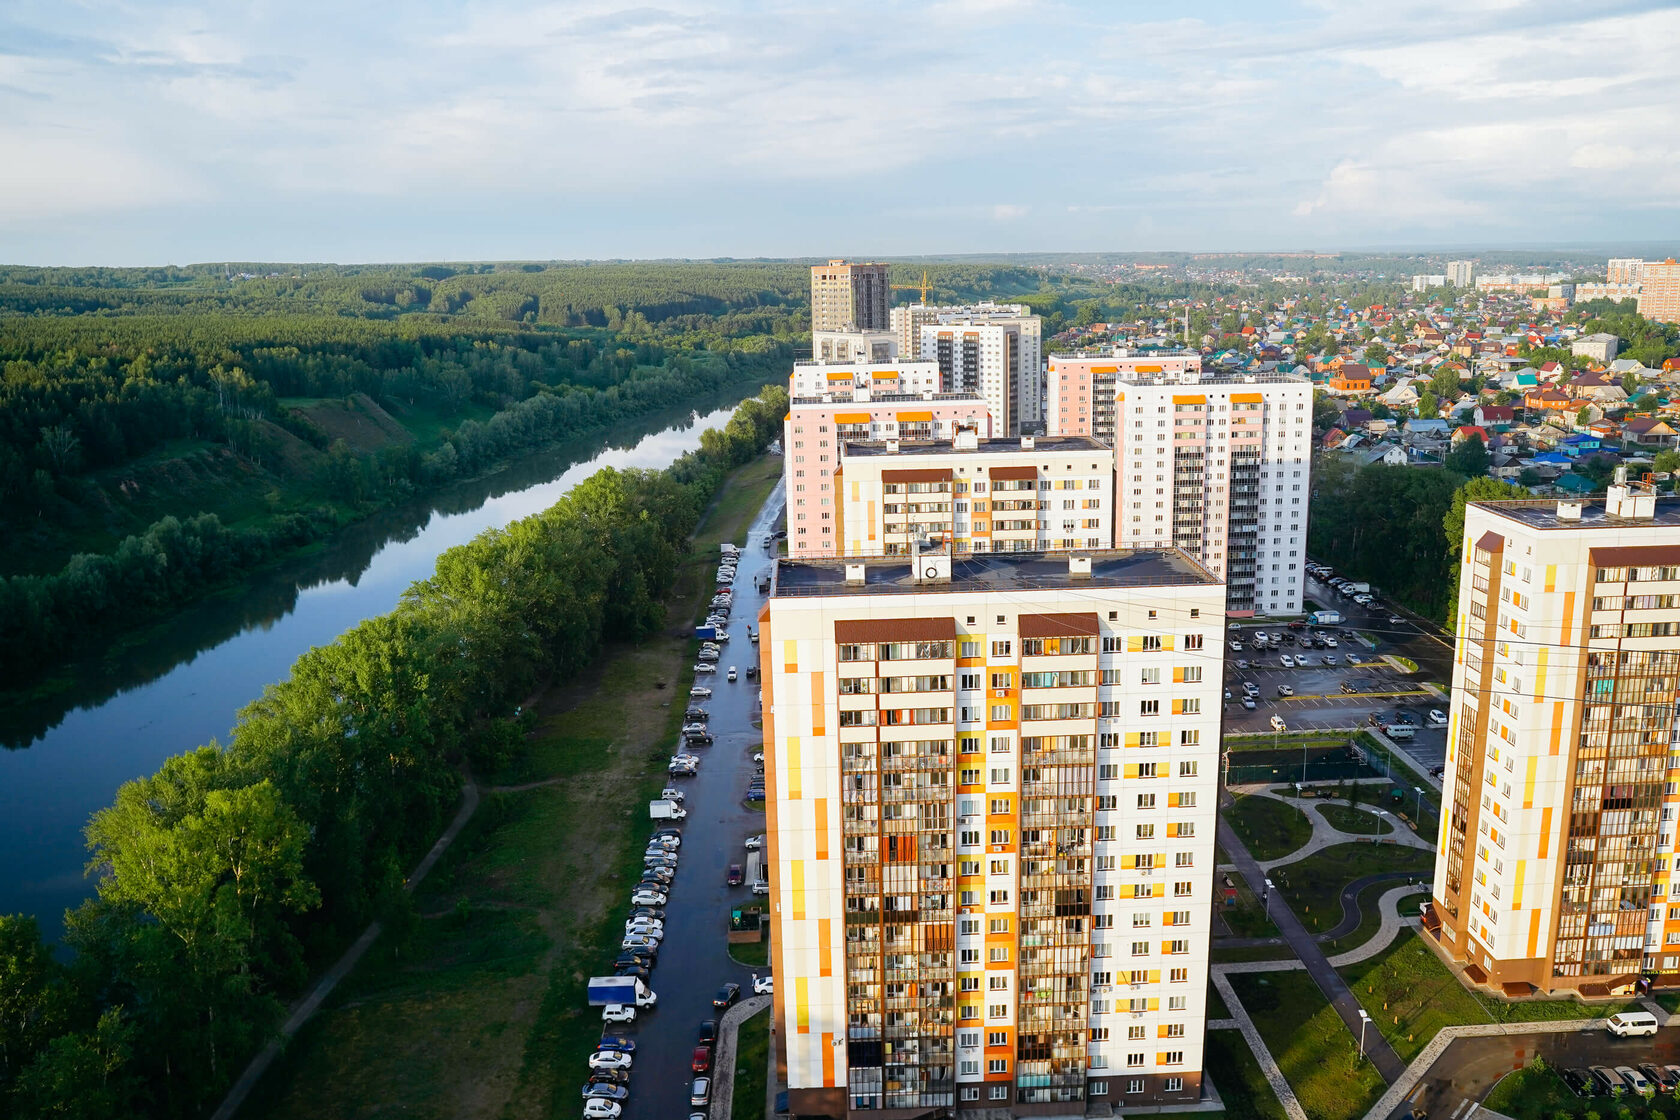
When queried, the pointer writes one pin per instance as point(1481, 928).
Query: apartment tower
point(1460, 273)
point(1659, 291)
point(1217, 464)
point(997, 895)
point(1555, 868)
point(995, 350)
point(849, 297)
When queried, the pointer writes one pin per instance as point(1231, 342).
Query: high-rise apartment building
point(1422, 282)
point(907, 321)
point(849, 297)
point(992, 799)
point(832, 404)
point(1031, 494)
point(1556, 864)
point(1659, 291)
point(1460, 273)
point(1624, 270)
point(996, 351)
point(1218, 464)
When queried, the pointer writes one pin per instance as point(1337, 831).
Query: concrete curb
point(723, 1055)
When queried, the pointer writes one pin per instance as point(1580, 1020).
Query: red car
point(735, 876)
point(702, 1058)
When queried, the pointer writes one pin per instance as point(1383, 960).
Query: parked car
point(609, 1077)
point(704, 667)
point(732, 672)
point(634, 971)
point(1285, 690)
point(754, 843)
point(685, 759)
point(700, 692)
point(1329, 643)
point(602, 1110)
point(1608, 1080)
point(1287, 661)
point(708, 1030)
point(621, 1042)
point(618, 1013)
point(1580, 1082)
point(761, 887)
point(763, 985)
point(605, 1091)
point(1635, 1080)
point(736, 876)
point(707, 656)
point(1662, 1077)
point(700, 1092)
point(1248, 703)
point(1242, 665)
point(610, 1059)
point(1236, 647)
point(647, 896)
point(697, 739)
point(1437, 718)
point(701, 1060)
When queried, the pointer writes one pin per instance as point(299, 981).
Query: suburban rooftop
point(1014, 445)
point(992, 571)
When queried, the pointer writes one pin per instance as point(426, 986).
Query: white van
point(1400, 732)
point(1631, 1024)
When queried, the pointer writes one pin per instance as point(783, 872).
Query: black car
point(1403, 716)
point(609, 1077)
point(726, 996)
point(640, 972)
point(1349, 686)
point(1437, 771)
point(630, 959)
point(698, 740)
point(648, 912)
point(1580, 1082)
point(1661, 1076)
point(697, 715)
point(708, 1030)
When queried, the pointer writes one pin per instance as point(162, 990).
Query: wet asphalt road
point(694, 960)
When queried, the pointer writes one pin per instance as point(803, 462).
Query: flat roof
point(865, 447)
point(994, 571)
point(890, 398)
point(1542, 514)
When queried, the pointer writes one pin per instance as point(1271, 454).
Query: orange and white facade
point(1659, 291)
point(817, 424)
point(992, 801)
point(1031, 494)
point(1556, 864)
point(1217, 464)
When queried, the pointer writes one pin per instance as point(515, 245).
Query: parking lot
point(694, 960)
point(1319, 700)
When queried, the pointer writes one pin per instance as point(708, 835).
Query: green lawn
point(1347, 818)
point(1256, 953)
point(1311, 1045)
point(1313, 885)
point(1534, 1092)
point(752, 1068)
point(1245, 918)
point(1266, 740)
point(753, 954)
point(1411, 995)
point(1268, 827)
point(1216, 1008)
point(1236, 1074)
point(733, 510)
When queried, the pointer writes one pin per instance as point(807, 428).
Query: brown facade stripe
point(1009, 474)
point(1057, 625)
point(1491, 542)
point(1634, 556)
point(847, 631)
point(924, 474)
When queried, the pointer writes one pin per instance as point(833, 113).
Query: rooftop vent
point(854, 571)
point(1026, 443)
point(1569, 511)
point(967, 439)
point(1079, 566)
point(1634, 501)
point(892, 447)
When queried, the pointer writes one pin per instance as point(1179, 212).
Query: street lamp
point(1364, 1019)
point(1420, 802)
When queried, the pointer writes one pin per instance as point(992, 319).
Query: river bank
point(476, 1009)
point(128, 713)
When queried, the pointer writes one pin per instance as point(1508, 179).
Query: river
point(183, 684)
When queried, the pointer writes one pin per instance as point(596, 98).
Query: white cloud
point(1008, 211)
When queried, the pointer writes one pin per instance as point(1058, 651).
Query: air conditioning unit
point(1001, 693)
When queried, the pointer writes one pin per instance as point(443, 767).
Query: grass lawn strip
point(752, 1068)
point(1269, 828)
point(1237, 1076)
point(473, 1006)
point(1346, 818)
point(1536, 1092)
point(1314, 885)
point(1310, 1043)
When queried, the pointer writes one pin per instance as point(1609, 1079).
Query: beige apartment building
point(1217, 464)
point(1029, 494)
point(995, 350)
point(1659, 291)
point(1556, 865)
point(992, 786)
point(849, 297)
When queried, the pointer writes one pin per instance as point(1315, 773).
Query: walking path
point(311, 1003)
point(723, 1057)
point(1335, 989)
point(1326, 835)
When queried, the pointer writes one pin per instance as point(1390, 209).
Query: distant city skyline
point(320, 132)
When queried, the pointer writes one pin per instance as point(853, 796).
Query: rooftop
point(888, 398)
point(860, 448)
point(988, 571)
point(1543, 514)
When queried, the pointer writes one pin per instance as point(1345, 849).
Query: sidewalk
point(723, 1057)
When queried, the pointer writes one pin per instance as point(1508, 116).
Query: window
point(998, 1065)
point(1187, 769)
point(1184, 859)
point(1176, 1003)
point(1173, 1058)
point(1135, 1061)
point(1151, 676)
point(1144, 801)
point(1146, 832)
point(1145, 708)
point(1178, 975)
point(971, 1092)
point(1192, 641)
point(1099, 1088)
point(997, 983)
point(1175, 1030)
point(1000, 649)
point(999, 1092)
point(1175, 1084)
point(1140, 948)
point(998, 954)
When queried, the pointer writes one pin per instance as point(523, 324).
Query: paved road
point(1470, 1067)
point(694, 960)
point(1329, 981)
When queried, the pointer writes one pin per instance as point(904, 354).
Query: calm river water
point(183, 685)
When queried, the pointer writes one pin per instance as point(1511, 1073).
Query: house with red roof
point(1465, 431)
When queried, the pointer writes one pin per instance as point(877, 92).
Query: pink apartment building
point(817, 425)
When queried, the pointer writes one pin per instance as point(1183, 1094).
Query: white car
point(672, 793)
point(705, 667)
point(707, 655)
point(758, 756)
point(648, 898)
point(761, 887)
point(754, 843)
point(618, 1013)
point(666, 840)
point(732, 672)
point(1437, 718)
point(597, 1109)
point(764, 985)
point(700, 692)
point(648, 927)
point(1329, 642)
point(1278, 724)
point(609, 1059)
point(685, 760)
point(1287, 661)
point(639, 941)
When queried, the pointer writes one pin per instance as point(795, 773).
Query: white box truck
point(1324, 618)
point(664, 809)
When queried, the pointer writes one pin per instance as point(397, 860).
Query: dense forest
point(165, 430)
point(229, 875)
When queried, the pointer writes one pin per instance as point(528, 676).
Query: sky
point(291, 130)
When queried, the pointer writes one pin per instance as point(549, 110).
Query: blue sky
point(145, 133)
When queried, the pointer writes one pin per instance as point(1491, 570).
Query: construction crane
point(924, 287)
